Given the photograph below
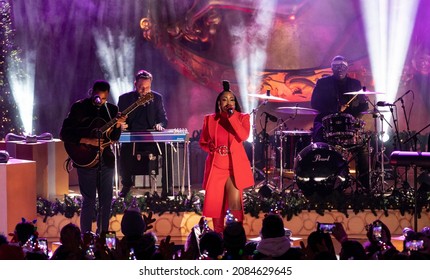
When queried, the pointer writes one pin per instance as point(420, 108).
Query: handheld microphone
point(230, 111)
point(383, 104)
point(97, 100)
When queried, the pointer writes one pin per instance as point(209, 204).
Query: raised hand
point(149, 220)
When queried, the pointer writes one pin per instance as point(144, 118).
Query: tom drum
point(293, 141)
point(339, 126)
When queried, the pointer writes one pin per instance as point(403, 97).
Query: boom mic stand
point(399, 142)
point(414, 136)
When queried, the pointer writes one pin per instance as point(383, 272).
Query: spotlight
point(384, 138)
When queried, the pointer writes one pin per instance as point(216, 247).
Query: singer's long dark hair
point(226, 88)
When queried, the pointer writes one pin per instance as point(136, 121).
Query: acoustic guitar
point(84, 155)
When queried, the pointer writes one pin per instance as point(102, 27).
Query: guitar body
point(84, 155)
point(88, 156)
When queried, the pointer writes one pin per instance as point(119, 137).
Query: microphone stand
point(281, 148)
point(99, 172)
point(266, 190)
point(414, 147)
point(414, 136)
point(398, 143)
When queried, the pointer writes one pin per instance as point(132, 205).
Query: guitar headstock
point(145, 99)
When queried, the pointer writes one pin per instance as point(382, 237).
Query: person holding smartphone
point(379, 245)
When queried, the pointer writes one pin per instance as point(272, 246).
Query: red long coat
point(242, 170)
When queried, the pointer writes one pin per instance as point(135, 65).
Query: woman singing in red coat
point(227, 169)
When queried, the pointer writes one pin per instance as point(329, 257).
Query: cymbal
point(298, 110)
point(267, 97)
point(363, 92)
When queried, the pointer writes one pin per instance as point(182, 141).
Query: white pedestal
point(17, 193)
point(52, 179)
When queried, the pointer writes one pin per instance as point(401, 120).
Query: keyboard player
point(152, 116)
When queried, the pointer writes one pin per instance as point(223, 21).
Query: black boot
point(125, 190)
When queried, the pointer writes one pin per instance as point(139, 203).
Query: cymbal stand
point(281, 161)
point(379, 150)
point(281, 148)
point(254, 133)
point(266, 187)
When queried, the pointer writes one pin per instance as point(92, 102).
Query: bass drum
point(320, 168)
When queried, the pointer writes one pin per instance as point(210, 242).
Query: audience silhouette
point(71, 247)
point(274, 244)
point(203, 243)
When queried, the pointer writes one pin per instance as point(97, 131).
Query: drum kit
point(321, 167)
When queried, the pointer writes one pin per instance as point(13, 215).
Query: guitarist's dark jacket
point(83, 118)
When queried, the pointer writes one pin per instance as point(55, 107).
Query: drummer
point(328, 98)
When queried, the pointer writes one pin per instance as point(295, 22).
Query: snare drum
point(293, 141)
point(338, 126)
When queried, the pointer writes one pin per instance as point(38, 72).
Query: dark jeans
point(91, 188)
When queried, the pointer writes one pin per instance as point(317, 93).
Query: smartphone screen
point(111, 240)
point(43, 245)
point(326, 227)
point(377, 231)
point(414, 245)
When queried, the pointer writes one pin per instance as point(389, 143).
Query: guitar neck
point(143, 100)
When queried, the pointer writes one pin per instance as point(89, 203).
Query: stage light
point(21, 79)
point(388, 26)
point(116, 56)
point(384, 137)
point(249, 51)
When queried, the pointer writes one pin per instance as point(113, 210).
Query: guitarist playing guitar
point(87, 131)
